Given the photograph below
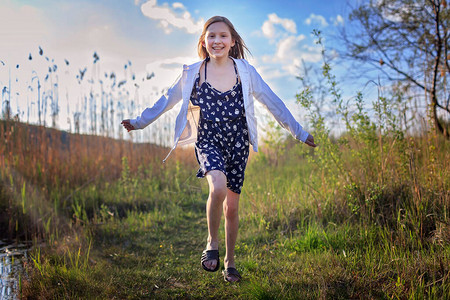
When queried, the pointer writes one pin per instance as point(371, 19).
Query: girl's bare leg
point(230, 210)
point(217, 192)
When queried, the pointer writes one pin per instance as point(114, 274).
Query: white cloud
point(268, 27)
point(287, 46)
point(166, 72)
point(290, 50)
point(290, 53)
point(169, 19)
point(178, 5)
point(314, 19)
point(268, 71)
point(393, 11)
point(339, 20)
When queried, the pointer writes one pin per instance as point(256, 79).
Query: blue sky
point(159, 36)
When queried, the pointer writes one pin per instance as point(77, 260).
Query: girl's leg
point(230, 210)
point(217, 192)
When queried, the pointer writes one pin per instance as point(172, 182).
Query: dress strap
point(206, 62)
point(235, 70)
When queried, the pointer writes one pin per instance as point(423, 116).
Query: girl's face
point(218, 40)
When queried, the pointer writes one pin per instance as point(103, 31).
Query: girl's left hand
point(310, 141)
point(127, 125)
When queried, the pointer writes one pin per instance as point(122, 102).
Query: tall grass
point(364, 215)
point(42, 170)
point(88, 99)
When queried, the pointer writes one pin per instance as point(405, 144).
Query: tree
point(408, 41)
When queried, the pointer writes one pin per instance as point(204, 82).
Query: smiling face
point(218, 40)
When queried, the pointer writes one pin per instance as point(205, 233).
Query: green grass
point(351, 220)
point(144, 240)
point(151, 256)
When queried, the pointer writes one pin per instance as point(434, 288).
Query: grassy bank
point(358, 221)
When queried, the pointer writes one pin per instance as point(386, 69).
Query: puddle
point(12, 257)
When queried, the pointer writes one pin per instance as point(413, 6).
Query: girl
point(220, 90)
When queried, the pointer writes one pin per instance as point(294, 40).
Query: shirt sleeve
point(262, 92)
point(165, 103)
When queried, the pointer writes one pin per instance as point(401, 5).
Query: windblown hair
point(239, 48)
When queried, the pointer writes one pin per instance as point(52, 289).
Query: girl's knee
point(217, 184)
point(230, 211)
point(218, 192)
point(231, 206)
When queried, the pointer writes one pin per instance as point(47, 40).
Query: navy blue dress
point(222, 140)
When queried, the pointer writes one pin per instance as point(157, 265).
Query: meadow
point(363, 216)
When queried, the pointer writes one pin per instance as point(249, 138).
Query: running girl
point(220, 89)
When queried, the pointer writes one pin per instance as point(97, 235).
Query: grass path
point(156, 254)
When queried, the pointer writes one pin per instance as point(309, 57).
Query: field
point(90, 213)
point(365, 216)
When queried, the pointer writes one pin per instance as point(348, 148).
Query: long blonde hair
point(239, 48)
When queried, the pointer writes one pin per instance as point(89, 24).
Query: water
point(12, 257)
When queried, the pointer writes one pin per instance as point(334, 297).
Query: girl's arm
point(149, 115)
point(276, 106)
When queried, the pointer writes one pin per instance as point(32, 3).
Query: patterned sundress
point(222, 140)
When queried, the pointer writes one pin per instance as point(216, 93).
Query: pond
point(12, 258)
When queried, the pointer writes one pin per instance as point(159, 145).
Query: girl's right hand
point(127, 125)
point(310, 141)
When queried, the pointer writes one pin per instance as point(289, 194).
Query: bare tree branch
point(406, 40)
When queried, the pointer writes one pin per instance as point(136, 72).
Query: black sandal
point(210, 255)
point(231, 272)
